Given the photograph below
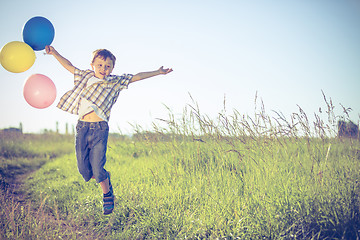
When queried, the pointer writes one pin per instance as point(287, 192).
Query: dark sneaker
point(108, 204)
point(109, 199)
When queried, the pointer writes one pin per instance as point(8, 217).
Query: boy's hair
point(104, 54)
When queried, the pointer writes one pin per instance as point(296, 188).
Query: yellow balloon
point(17, 57)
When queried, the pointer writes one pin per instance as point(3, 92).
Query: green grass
point(229, 178)
point(197, 190)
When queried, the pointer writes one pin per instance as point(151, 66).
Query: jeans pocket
point(104, 126)
point(79, 126)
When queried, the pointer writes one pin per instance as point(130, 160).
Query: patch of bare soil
point(13, 191)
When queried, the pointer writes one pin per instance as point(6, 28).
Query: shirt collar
point(110, 78)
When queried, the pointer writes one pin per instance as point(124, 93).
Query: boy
point(92, 98)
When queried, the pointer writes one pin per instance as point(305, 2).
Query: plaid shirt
point(103, 94)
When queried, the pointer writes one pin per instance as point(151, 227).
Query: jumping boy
point(92, 98)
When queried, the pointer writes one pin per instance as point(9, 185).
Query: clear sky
point(286, 51)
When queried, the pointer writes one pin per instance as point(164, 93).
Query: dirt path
point(15, 190)
point(18, 204)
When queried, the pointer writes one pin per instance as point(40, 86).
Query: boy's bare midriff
point(91, 117)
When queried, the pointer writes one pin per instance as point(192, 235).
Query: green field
point(234, 177)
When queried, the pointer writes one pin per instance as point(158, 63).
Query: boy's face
point(102, 67)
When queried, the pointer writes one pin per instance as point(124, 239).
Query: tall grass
point(232, 177)
point(263, 176)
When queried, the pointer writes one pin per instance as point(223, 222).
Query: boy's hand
point(164, 71)
point(50, 50)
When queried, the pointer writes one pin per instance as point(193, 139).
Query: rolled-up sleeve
point(124, 80)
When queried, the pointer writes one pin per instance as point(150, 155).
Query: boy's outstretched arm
point(63, 61)
point(143, 75)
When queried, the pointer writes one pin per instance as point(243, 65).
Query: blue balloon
point(38, 32)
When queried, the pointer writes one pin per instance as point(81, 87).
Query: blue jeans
point(90, 145)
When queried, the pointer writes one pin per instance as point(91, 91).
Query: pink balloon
point(39, 91)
